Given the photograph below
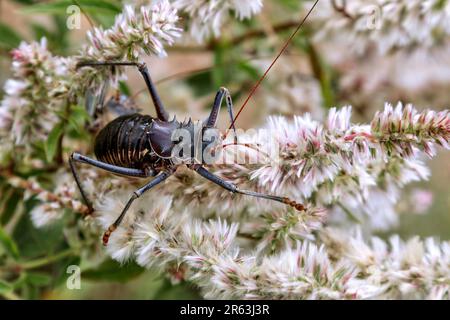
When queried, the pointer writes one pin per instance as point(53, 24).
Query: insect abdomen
point(124, 141)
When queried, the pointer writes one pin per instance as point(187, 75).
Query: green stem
point(322, 75)
point(59, 147)
point(47, 260)
point(237, 40)
point(11, 296)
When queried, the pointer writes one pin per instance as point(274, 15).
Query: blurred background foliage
point(33, 261)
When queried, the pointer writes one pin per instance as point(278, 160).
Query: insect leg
point(142, 67)
point(80, 186)
point(109, 167)
point(233, 188)
point(212, 119)
point(76, 157)
point(136, 194)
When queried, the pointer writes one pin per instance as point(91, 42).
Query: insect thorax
point(136, 141)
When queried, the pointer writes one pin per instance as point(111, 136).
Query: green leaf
point(218, 72)
point(25, 2)
point(124, 88)
point(9, 204)
point(89, 6)
point(247, 68)
point(56, 34)
point(9, 39)
point(77, 118)
point(5, 287)
point(52, 141)
point(323, 74)
point(291, 4)
point(38, 279)
point(169, 291)
point(201, 83)
point(35, 242)
point(8, 244)
point(111, 270)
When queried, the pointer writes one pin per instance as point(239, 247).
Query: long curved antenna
point(272, 64)
point(252, 146)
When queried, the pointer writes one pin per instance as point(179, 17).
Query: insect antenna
point(286, 44)
point(253, 146)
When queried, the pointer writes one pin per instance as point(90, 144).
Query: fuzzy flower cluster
point(355, 171)
point(135, 32)
point(34, 95)
point(233, 246)
point(351, 167)
point(270, 251)
point(412, 269)
point(386, 24)
point(206, 253)
point(206, 17)
point(341, 266)
point(43, 86)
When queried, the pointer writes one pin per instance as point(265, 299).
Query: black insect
point(141, 146)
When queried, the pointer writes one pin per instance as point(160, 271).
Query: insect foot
point(296, 205)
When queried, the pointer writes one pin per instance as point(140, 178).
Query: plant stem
point(256, 33)
point(59, 147)
point(19, 182)
point(322, 75)
point(11, 296)
point(47, 260)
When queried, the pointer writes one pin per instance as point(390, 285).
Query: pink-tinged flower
point(383, 25)
point(206, 17)
point(401, 130)
point(34, 95)
point(421, 200)
point(135, 32)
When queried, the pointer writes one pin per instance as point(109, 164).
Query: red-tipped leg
point(296, 205)
point(107, 234)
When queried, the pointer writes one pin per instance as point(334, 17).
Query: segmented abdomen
point(124, 141)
